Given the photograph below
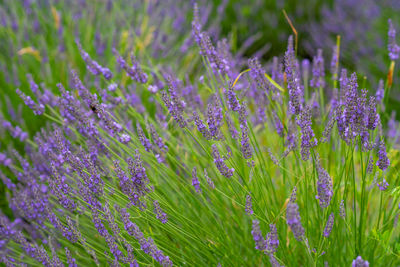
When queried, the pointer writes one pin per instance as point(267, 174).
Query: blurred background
point(38, 37)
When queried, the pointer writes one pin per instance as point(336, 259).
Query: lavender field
point(199, 133)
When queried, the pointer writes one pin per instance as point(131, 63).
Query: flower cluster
point(104, 176)
point(92, 65)
point(219, 162)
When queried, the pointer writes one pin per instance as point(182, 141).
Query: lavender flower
point(61, 189)
point(273, 158)
point(16, 132)
point(258, 74)
point(148, 245)
point(112, 87)
point(293, 220)
point(329, 225)
point(6, 181)
point(174, 109)
point(318, 71)
point(38, 109)
point(372, 116)
point(92, 65)
point(134, 72)
point(380, 92)
point(308, 139)
point(160, 214)
point(274, 262)
point(219, 162)
point(143, 139)
point(233, 103)
point(383, 185)
point(246, 149)
point(214, 119)
point(201, 126)
point(209, 181)
point(293, 195)
point(257, 236)
point(359, 262)
point(156, 138)
point(272, 240)
point(324, 187)
point(124, 138)
point(370, 165)
point(34, 87)
point(135, 186)
point(383, 161)
point(207, 49)
point(393, 48)
point(293, 82)
point(249, 206)
point(242, 116)
point(195, 181)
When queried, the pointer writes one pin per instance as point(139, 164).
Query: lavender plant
point(142, 164)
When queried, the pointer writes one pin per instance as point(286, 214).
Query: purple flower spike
point(201, 126)
point(209, 180)
point(258, 74)
point(373, 116)
point(233, 103)
point(329, 225)
point(293, 220)
point(214, 119)
point(147, 245)
point(272, 239)
point(124, 138)
point(16, 132)
point(38, 109)
point(219, 162)
point(249, 206)
point(318, 71)
point(195, 181)
point(324, 188)
point(393, 48)
point(380, 92)
point(71, 261)
point(246, 149)
point(217, 61)
point(383, 161)
point(160, 214)
point(94, 67)
point(293, 81)
point(174, 107)
point(135, 72)
point(383, 185)
point(359, 262)
point(257, 236)
point(156, 138)
point(308, 139)
point(143, 139)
